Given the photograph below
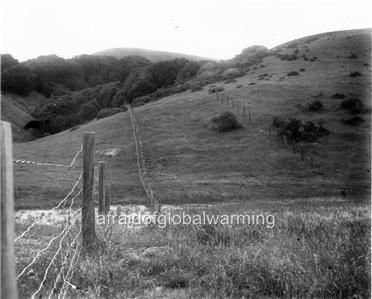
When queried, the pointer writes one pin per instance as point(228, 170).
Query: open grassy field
point(188, 162)
point(316, 249)
point(320, 244)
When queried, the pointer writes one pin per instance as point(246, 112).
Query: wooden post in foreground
point(87, 212)
point(107, 199)
point(101, 187)
point(8, 282)
point(285, 140)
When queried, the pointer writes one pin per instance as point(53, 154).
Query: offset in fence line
point(8, 282)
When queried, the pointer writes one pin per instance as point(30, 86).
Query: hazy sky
point(210, 28)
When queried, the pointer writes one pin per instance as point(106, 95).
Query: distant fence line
point(248, 115)
point(141, 163)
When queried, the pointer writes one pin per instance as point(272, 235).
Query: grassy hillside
point(190, 163)
point(152, 55)
point(17, 110)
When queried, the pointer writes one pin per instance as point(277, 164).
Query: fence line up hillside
point(141, 163)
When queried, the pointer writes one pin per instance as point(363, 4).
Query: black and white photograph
point(185, 149)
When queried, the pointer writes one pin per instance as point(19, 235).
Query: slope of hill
point(152, 55)
point(17, 110)
point(190, 163)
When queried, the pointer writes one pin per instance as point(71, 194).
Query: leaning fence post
point(107, 198)
point(101, 187)
point(8, 282)
point(87, 211)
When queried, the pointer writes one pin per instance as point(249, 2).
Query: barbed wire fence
point(63, 249)
point(141, 163)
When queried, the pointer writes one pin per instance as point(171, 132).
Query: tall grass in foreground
point(322, 254)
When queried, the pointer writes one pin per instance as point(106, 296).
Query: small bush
point(354, 121)
point(216, 89)
point(315, 106)
point(106, 112)
point(355, 74)
point(302, 69)
point(239, 86)
point(313, 58)
point(353, 105)
point(227, 121)
point(230, 81)
point(352, 56)
point(298, 130)
point(338, 96)
point(196, 87)
point(293, 73)
point(252, 83)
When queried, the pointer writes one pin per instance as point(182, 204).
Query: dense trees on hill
point(80, 87)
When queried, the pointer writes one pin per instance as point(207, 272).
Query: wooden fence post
point(87, 212)
point(217, 96)
point(311, 161)
point(249, 115)
point(244, 110)
point(107, 198)
point(294, 147)
point(101, 187)
point(285, 140)
point(8, 282)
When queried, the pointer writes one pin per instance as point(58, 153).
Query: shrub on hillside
point(355, 74)
point(292, 73)
point(196, 87)
point(302, 69)
point(216, 89)
point(298, 130)
point(338, 96)
point(352, 55)
point(354, 121)
point(106, 112)
point(227, 121)
point(315, 106)
point(353, 105)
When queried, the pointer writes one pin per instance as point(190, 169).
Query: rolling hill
point(152, 55)
point(188, 162)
